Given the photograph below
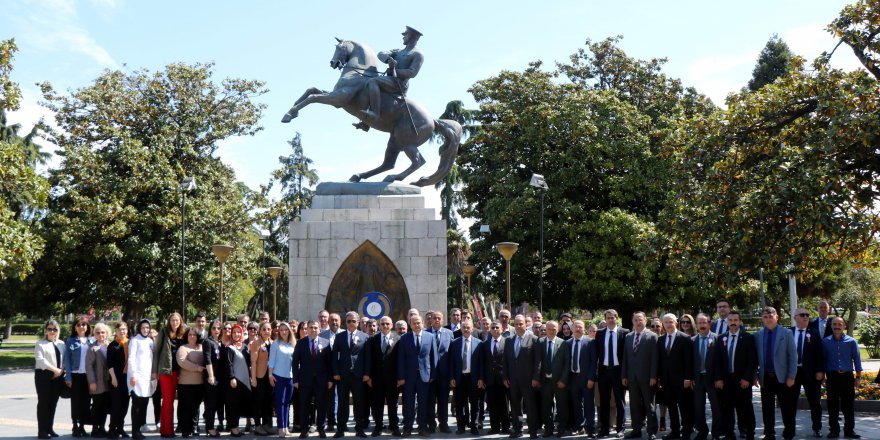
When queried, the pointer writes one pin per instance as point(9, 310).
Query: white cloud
point(710, 67)
point(55, 27)
point(811, 40)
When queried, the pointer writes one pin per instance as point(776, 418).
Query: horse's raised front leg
point(416, 159)
point(391, 153)
point(294, 111)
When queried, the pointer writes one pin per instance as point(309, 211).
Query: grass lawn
point(16, 359)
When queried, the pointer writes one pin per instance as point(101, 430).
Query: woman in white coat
point(140, 367)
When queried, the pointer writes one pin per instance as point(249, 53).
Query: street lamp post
point(274, 272)
point(539, 182)
point(468, 271)
point(188, 184)
point(221, 251)
point(264, 236)
point(507, 249)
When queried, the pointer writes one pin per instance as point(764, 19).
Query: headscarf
point(140, 327)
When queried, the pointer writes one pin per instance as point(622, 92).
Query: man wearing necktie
point(739, 361)
point(348, 371)
point(777, 368)
point(639, 375)
point(493, 381)
point(554, 365)
point(440, 387)
point(705, 343)
point(311, 376)
point(521, 378)
point(811, 358)
point(582, 368)
point(822, 323)
point(674, 370)
point(381, 360)
point(416, 368)
point(609, 343)
point(465, 372)
point(720, 326)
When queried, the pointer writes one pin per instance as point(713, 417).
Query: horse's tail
point(451, 132)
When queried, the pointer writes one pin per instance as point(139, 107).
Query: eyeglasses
point(655, 326)
point(215, 328)
point(82, 324)
point(686, 322)
point(351, 321)
point(386, 324)
point(803, 315)
point(51, 329)
point(227, 328)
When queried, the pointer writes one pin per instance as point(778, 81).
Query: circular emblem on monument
point(374, 305)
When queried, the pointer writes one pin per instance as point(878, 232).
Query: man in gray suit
point(705, 375)
point(552, 362)
point(521, 378)
point(777, 370)
point(639, 371)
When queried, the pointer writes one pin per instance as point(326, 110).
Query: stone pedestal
point(370, 237)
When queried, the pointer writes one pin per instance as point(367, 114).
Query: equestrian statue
point(380, 101)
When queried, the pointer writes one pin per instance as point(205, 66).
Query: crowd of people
point(554, 376)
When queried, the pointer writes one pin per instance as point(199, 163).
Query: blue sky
point(710, 45)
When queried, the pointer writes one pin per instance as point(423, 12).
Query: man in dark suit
point(609, 357)
point(349, 368)
point(521, 378)
point(553, 363)
point(581, 368)
point(639, 373)
point(674, 370)
point(811, 358)
point(719, 326)
point(311, 376)
point(822, 323)
point(705, 373)
point(777, 369)
point(739, 361)
point(440, 387)
point(465, 373)
point(381, 360)
point(455, 317)
point(416, 368)
point(493, 380)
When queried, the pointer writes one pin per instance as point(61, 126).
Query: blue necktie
point(730, 348)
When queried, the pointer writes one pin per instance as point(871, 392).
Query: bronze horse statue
point(409, 128)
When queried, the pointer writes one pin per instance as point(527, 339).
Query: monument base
point(370, 247)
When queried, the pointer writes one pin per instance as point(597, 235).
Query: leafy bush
point(869, 335)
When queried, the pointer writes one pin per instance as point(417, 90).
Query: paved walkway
point(18, 402)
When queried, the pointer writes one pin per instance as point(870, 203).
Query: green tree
point(450, 196)
point(457, 252)
point(595, 129)
point(114, 217)
point(775, 60)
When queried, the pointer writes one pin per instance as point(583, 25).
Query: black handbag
point(63, 389)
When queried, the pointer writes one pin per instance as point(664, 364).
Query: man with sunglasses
point(381, 360)
point(442, 338)
point(808, 344)
point(349, 367)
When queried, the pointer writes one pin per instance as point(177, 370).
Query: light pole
point(468, 271)
point(507, 249)
point(264, 235)
point(188, 184)
point(221, 251)
point(274, 272)
point(539, 182)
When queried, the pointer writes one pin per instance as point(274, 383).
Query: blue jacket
point(417, 363)
point(71, 358)
point(347, 358)
point(442, 338)
point(307, 369)
point(784, 354)
point(456, 362)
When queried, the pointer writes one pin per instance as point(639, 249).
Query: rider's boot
point(362, 126)
point(370, 114)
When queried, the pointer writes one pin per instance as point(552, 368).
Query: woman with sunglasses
point(99, 379)
point(239, 384)
point(687, 325)
point(260, 383)
point(117, 360)
point(165, 365)
point(215, 360)
point(190, 385)
point(140, 367)
point(76, 348)
point(281, 375)
point(48, 378)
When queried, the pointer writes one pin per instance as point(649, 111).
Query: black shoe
point(361, 434)
point(634, 434)
point(653, 437)
point(339, 434)
point(322, 433)
point(76, 434)
point(475, 430)
point(303, 434)
point(547, 433)
point(43, 435)
point(424, 433)
point(136, 435)
point(376, 432)
point(672, 436)
point(533, 435)
point(406, 433)
point(54, 434)
point(833, 435)
point(444, 429)
point(560, 434)
point(851, 435)
point(817, 434)
point(516, 434)
point(460, 431)
point(396, 433)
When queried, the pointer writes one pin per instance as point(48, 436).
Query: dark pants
point(550, 392)
point(384, 393)
point(48, 392)
point(771, 391)
point(704, 388)
point(214, 402)
point(738, 401)
point(812, 389)
point(100, 406)
point(440, 392)
point(138, 413)
point(80, 401)
point(416, 391)
point(641, 405)
point(189, 398)
point(841, 394)
point(118, 406)
point(157, 405)
point(353, 386)
point(262, 402)
point(524, 396)
point(679, 405)
point(237, 404)
point(496, 400)
point(466, 401)
point(609, 380)
point(583, 408)
point(331, 403)
point(308, 390)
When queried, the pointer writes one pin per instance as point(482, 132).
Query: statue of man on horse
point(380, 102)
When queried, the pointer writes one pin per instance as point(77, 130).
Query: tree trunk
point(851, 316)
point(7, 330)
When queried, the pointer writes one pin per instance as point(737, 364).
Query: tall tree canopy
point(775, 60)
point(114, 217)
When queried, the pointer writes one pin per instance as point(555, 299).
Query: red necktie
point(314, 349)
